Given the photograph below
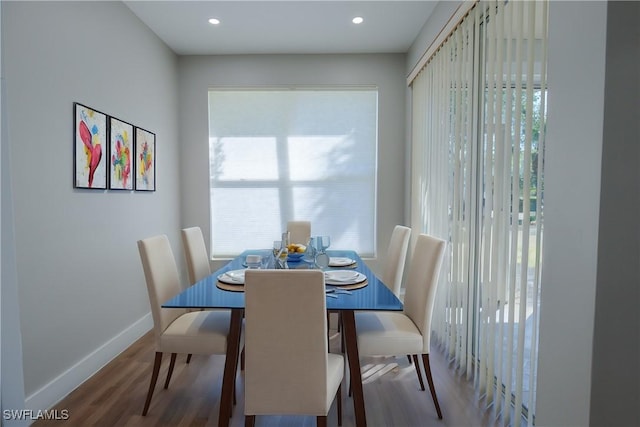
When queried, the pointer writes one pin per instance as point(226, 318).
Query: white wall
point(198, 73)
point(615, 372)
point(82, 295)
point(11, 379)
point(441, 14)
point(572, 201)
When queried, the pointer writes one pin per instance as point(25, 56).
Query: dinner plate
point(343, 277)
point(340, 261)
point(233, 277)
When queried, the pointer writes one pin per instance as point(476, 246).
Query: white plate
point(340, 261)
point(343, 277)
point(233, 277)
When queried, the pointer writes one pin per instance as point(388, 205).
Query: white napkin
point(341, 276)
point(236, 276)
point(340, 261)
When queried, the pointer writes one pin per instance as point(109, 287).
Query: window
point(292, 154)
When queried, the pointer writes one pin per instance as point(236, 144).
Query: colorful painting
point(90, 129)
point(145, 160)
point(121, 150)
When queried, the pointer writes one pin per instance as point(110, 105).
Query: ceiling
point(284, 27)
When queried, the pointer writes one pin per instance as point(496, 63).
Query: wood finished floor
point(115, 395)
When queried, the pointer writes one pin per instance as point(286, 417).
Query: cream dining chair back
point(394, 262)
point(288, 369)
point(176, 330)
point(195, 252)
point(392, 333)
point(196, 257)
point(299, 231)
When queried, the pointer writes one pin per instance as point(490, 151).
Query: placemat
point(228, 287)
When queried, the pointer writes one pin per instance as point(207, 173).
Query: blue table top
point(205, 293)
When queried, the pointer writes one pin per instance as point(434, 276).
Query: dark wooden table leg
point(230, 366)
point(349, 330)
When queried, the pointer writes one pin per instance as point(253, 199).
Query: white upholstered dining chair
point(299, 231)
point(393, 267)
point(288, 369)
point(196, 257)
point(395, 333)
point(195, 253)
point(176, 330)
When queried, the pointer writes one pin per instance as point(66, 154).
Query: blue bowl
point(295, 256)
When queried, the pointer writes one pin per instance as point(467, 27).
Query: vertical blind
point(282, 154)
point(477, 181)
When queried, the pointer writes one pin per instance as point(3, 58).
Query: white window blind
point(292, 154)
point(477, 178)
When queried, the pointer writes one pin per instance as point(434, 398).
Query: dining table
point(370, 294)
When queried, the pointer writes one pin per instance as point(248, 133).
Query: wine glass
point(277, 245)
point(322, 259)
point(310, 252)
point(325, 242)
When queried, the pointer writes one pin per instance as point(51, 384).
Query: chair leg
point(339, 330)
point(152, 384)
point(321, 421)
point(409, 357)
point(249, 420)
point(170, 371)
point(417, 365)
point(339, 397)
point(328, 330)
point(427, 370)
point(189, 357)
point(235, 369)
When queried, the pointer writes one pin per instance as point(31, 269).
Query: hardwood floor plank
point(115, 395)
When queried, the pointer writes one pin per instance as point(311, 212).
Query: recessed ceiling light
point(214, 21)
point(357, 20)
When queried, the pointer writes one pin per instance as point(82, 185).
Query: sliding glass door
point(477, 180)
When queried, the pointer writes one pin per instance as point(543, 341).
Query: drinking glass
point(253, 261)
point(267, 258)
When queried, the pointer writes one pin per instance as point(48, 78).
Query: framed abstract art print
point(90, 148)
point(121, 155)
point(145, 158)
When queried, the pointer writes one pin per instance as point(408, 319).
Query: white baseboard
point(65, 383)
